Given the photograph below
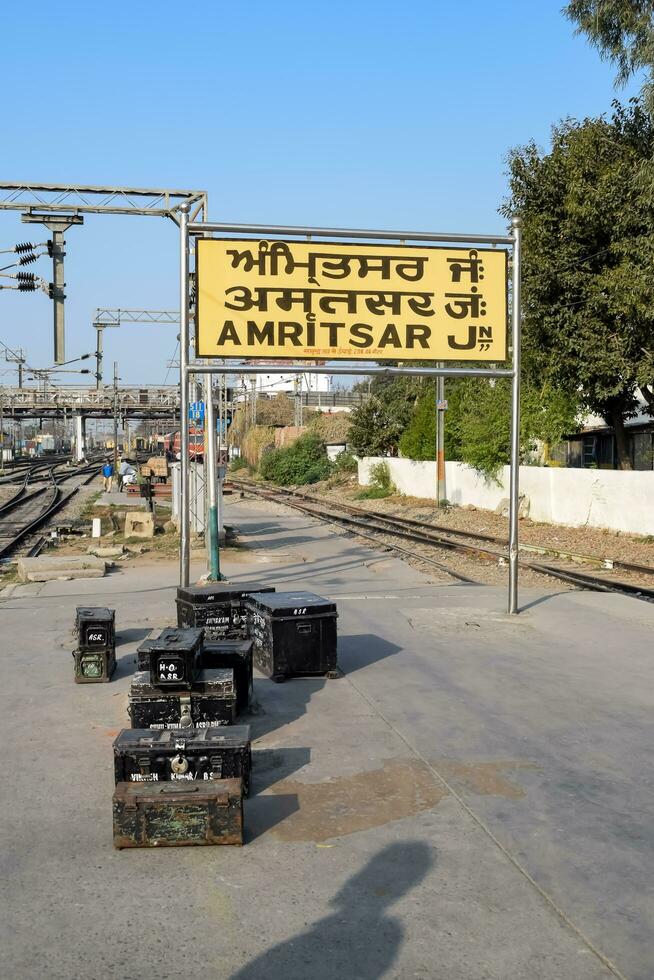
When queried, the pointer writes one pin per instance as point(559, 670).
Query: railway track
point(16, 471)
point(478, 546)
point(28, 510)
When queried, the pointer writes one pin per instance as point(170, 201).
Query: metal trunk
point(174, 814)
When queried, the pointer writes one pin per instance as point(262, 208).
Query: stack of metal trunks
point(95, 654)
point(183, 768)
point(218, 608)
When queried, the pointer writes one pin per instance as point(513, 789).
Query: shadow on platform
point(360, 938)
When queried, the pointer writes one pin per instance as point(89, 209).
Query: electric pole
point(57, 224)
point(2, 433)
point(297, 386)
point(440, 438)
point(115, 408)
point(98, 355)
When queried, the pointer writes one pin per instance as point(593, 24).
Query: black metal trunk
point(144, 648)
point(218, 608)
point(294, 633)
point(94, 667)
point(95, 627)
point(175, 657)
point(234, 654)
point(174, 814)
point(144, 755)
point(210, 701)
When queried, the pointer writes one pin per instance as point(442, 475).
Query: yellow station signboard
point(272, 299)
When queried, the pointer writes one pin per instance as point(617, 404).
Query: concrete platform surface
point(472, 799)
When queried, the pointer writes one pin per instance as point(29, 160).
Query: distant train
point(172, 444)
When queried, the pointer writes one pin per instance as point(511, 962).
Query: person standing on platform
point(107, 475)
point(122, 469)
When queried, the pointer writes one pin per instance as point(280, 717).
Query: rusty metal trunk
point(177, 814)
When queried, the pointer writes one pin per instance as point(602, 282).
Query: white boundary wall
point(614, 499)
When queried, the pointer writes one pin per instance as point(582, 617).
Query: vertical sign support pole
point(211, 523)
point(184, 521)
point(514, 500)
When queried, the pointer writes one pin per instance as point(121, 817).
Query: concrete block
point(139, 525)
point(114, 551)
point(47, 569)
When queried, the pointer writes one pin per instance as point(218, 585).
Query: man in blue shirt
point(107, 475)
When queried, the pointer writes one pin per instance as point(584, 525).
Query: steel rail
point(332, 518)
point(604, 561)
point(372, 521)
point(58, 502)
point(17, 498)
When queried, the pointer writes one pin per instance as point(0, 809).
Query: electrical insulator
point(26, 276)
point(25, 247)
point(27, 259)
point(27, 287)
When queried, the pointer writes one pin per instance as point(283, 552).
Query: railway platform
point(470, 799)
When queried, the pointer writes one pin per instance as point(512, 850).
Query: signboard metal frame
point(188, 369)
point(254, 296)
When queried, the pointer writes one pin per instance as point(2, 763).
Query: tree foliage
point(418, 441)
point(623, 33)
point(375, 429)
point(478, 423)
point(588, 234)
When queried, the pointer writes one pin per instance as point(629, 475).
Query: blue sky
point(363, 114)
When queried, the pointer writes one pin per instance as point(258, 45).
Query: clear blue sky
point(360, 113)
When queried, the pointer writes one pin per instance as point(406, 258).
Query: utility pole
point(253, 402)
point(57, 224)
point(98, 356)
point(440, 439)
point(297, 386)
point(99, 326)
point(115, 409)
point(2, 433)
point(16, 357)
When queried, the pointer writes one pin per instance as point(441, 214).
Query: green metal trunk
point(174, 814)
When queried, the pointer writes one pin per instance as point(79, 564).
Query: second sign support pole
point(184, 521)
point(211, 523)
point(514, 490)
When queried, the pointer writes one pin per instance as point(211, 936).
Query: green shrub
point(380, 477)
point(345, 462)
point(305, 461)
point(239, 463)
point(381, 484)
point(372, 493)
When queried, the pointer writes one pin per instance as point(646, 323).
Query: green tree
point(478, 423)
point(588, 233)
point(375, 429)
point(418, 441)
point(483, 421)
point(623, 33)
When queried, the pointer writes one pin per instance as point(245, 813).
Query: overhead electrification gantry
point(59, 206)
